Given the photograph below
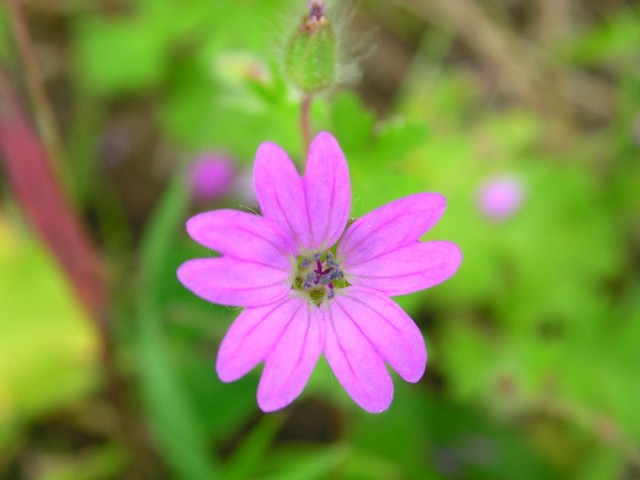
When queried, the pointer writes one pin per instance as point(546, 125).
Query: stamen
point(310, 279)
point(316, 276)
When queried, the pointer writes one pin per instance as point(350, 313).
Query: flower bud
point(501, 197)
point(210, 177)
point(310, 59)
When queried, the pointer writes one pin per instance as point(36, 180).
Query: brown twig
point(522, 67)
point(489, 40)
point(552, 21)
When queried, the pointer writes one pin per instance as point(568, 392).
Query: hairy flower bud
point(310, 59)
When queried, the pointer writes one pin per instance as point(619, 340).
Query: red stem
point(44, 118)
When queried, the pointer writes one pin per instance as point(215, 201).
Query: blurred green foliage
point(38, 374)
point(534, 344)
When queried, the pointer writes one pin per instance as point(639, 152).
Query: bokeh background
point(119, 119)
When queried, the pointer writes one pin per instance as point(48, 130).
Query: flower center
point(318, 276)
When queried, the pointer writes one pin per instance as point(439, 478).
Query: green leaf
point(101, 463)
point(179, 434)
point(252, 450)
point(305, 464)
point(352, 123)
point(120, 56)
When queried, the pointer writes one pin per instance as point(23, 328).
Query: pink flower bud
point(500, 197)
point(210, 177)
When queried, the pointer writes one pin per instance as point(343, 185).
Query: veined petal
point(391, 226)
point(355, 361)
point(407, 269)
point(229, 281)
point(253, 335)
point(288, 366)
point(242, 235)
point(391, 332)
point(280, 192)
point(328, 191)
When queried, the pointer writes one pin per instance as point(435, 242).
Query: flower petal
point(229, 281)
point(289, 365)
point(242, 235)
point(392, 333)
point(407, 269)
point(391, 226)
point(355, 361)
point(253, 335)
point(328, 191)
point(280, 192)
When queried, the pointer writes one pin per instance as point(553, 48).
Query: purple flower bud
point(500, 197)
point(210, 177)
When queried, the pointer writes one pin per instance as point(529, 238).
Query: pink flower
point(500, 197)
point(210, 177)
point(309, 287)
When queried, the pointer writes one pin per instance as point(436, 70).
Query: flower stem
point(44, 117)
point(305, 123)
